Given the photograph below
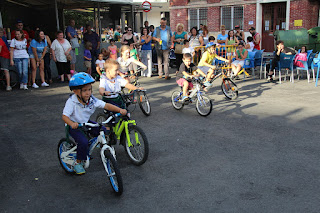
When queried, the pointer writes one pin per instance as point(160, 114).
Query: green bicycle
point(131, 136)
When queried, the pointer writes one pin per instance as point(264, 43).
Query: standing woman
point(231, 40)
point(60, 50)
point(39, 47)
point(146, 51)
point(196, 40)
point(47, 59)
point(177, 40)
point(205, 34)
point(128, 38)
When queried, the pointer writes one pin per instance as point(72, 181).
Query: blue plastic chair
point(306, 66)
point(316, 64)
point(286, 62)
point(248, 63)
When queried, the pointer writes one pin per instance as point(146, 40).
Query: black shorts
point(63, 67)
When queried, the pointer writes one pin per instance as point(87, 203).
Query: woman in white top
point(196, 40)
point(20, 57)
point(60, 49)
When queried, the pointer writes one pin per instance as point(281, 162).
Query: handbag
point(178, 49)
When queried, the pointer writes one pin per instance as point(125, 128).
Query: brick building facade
point(265, 15)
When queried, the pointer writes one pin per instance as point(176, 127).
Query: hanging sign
point(147, 6)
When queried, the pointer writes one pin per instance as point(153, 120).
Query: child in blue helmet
point(205, 65)
point(78, 109)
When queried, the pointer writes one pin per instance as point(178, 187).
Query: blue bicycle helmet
point(210, 44)
point(79, 80)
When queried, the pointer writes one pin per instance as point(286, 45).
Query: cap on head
point(79, 80)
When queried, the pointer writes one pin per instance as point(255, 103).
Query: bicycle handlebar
point(98, 124)
point(117, 93)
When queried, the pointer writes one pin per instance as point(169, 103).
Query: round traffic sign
point(147, 6)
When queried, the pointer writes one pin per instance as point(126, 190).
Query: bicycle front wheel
point(101, 117)
point(144, 103)
point(176, 100)
point(67, 161)
point(14, 79)
point(203, 105)
point(229, 89)
point(138, 147)
point(111, 167)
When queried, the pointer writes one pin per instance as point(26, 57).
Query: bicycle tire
point(176, 100)
point(144, 103)
point(67, 162)
point(101, 117)
point(203, 105)
point(111, 167)
point(14, 79)
point(139, 152)
point(229, 89)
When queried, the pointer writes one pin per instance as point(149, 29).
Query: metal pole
point(57, 15)
point(1, 25)
point(132, 17)
point(99, 22)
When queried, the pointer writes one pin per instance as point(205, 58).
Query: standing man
point(19, 26)
point(146, 24)
point(72, 37)
point(239, 33)
point(117, 34)
point(162, 35)
point(256, 38)
point(95, 40)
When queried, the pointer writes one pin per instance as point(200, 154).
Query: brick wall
point(213, 21)
point(249, 14)
point(178, 16)
point(306, 11)
point(178, 2)
point(213, 1)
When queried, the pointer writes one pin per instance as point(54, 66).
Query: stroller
point(172, 58)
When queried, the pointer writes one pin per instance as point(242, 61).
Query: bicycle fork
point(125, 125)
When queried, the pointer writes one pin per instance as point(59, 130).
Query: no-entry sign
point(147, 6)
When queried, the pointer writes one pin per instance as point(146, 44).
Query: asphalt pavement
point(258, 153)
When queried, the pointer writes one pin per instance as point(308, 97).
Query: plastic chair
point(248, 63)
point(316, 64)
point(286, 62)
point(306, 66)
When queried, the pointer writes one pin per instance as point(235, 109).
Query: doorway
point(273, 18)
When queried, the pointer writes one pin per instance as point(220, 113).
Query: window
point(197, 17)
point(232, 16)
point(191, 1)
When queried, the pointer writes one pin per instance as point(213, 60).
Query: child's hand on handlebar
point(140, 88)
point(74, 125)
point(106, 93)
point(123, 111)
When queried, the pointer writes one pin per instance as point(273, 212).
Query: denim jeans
point(22, 68)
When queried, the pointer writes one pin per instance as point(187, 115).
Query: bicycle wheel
point(101, 117)
point(139, 150)
point(144, 103)
point(67, 161)
point(203, 105)
point(111, 167)
point(176, 100)
point(229, 89)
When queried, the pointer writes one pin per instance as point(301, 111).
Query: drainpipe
point(57, 15)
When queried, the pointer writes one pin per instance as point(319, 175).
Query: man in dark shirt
point(95, 40)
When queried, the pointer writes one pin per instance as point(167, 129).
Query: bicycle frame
point(124, 125)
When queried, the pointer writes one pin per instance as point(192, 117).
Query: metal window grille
point(232, 16)
point(197, 16)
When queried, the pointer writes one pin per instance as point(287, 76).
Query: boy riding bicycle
point(185, 71)
point(111, 82)
point(205, 66)
point(78, 109)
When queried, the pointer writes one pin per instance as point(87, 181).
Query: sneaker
point(21, 86)
point(167, 77)
point(34, 85)
point(25, 87)
point(207, 84)
point(78, 168)
point(44, 84)
point(184, 98)
point(160, 76)
point(9, 88)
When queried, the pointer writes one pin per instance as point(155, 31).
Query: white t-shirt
point(124, 65)
point(100, 63)
point(112, 85)
point(20, 48)
point(251, 46)
point(60, 49)
point(77, 112)
point(188, 50)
